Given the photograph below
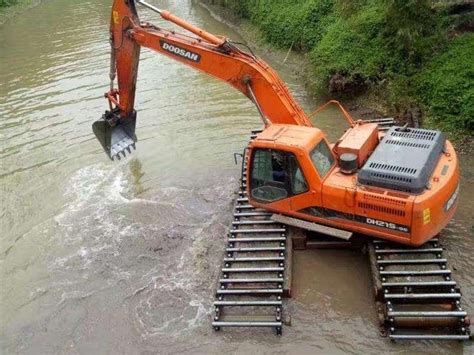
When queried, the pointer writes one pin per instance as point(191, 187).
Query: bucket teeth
point(121, 148)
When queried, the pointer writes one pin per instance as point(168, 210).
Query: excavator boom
point(213, 55)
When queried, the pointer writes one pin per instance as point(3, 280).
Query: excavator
point(400, 186)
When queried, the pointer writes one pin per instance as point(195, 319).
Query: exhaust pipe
point(116, 135)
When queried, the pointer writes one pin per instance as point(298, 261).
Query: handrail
point(346, 114)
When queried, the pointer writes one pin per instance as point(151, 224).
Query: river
point(122, 258)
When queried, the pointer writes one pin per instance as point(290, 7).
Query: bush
point(352, 47)
point(446, 85)
point(411, 31)
point(5, 3)
point(300, 23)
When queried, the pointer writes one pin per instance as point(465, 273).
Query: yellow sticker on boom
point(426, 216)
point(116, 17)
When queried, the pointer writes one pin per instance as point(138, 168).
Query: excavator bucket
point(116, 137)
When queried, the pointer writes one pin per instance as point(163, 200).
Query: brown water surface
point(100, 257)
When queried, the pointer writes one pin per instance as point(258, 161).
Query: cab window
point(298, 182)
point(322, 158)
point(275, 175)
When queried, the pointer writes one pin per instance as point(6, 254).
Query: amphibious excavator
point(399, 186)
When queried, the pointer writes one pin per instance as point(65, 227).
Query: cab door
point(315, 166)
point(270, 180)
point(278, 181)
point(306, 192)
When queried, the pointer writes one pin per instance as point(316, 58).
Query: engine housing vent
point(404, 160)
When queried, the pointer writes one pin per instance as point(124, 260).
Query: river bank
point(9, 11)
point(295, 62)
point(361, 70)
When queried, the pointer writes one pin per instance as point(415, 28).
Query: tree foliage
point(5, 3)
point(446, 85)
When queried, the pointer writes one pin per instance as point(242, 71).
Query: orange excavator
point(401, 185)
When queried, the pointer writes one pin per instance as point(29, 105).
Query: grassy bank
point(10, 8)
point(413, 56)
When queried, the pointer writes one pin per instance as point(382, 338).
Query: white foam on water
point(89, 231)
point(151, 253)
point(172, 307)
point(177, 302)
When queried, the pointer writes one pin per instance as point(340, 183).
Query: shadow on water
point(100, 257)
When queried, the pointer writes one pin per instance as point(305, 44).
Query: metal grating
point(382, 209)
point(408, 144)
point(395, 168)
point(384, 199)
point(413, 133)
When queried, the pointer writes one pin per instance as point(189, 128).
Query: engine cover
point(404, 160)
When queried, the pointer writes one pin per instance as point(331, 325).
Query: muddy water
point(100, 257)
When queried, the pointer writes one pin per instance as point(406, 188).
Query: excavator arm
point(213, 55)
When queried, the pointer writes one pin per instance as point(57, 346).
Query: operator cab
point(275, 175)
point(294, 171)
point(288, 161)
